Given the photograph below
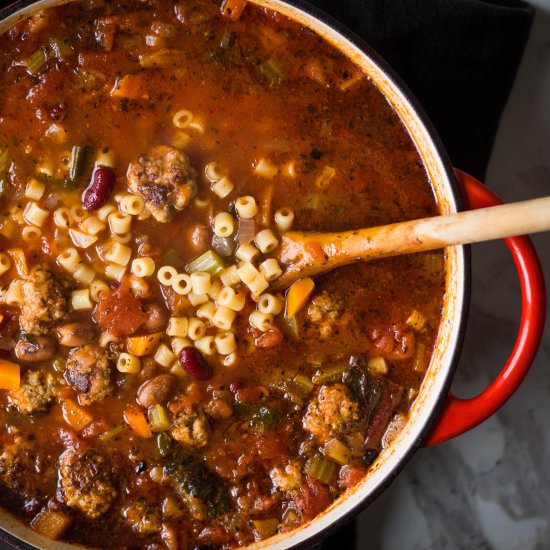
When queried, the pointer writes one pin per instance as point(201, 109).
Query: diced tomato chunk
point(350, 476)
point(120, 312)
point(312, 498)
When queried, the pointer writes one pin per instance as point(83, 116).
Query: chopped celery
point(60, 48)
point(158, 419)
point(291, 327)
point(303, 385)
point(3, 161)
point(377, 365)
point(321, 468)
point(112, 433)
point(78, 159)
point(333, 373)
point(59, 364)
point(37, 61)
point(420, 359)
point(64, 183)
point(226, 40)
point(337, 451)
point(89, 79)
point(312, 201)
point(210, 262)
point(273, 70)
point(164, 444)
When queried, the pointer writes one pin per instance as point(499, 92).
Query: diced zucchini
point(416, 321)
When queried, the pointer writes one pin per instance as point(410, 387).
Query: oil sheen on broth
point(155, 392)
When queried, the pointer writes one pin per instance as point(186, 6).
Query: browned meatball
point(332, 413)
point(88, 371)
point(45, 300)
point(165, 179)
point(85, 481)
point(17, 467)
point(35, 393)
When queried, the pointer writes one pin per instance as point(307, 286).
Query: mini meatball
point(143, 517)
point(332, 413)
point(88, 371)
point(287, 477)
point(17, 467)
point(85, 482)
point(165, 179)
point(45, 300)
point(324, 313)
point(35, 393)
point(191, 429)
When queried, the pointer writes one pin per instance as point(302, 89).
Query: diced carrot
point(233, 8)
point(20, 261)
point(77, 417)
point(143, 345)
point(135, 418)
point(51, 524)
point(10, 375)
point(298, 295)
point(131, 86)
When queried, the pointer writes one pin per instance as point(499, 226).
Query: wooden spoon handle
point(307, 254)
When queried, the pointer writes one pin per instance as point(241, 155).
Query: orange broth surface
point(294, 415)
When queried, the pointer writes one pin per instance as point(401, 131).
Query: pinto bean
point(41, 348)
point(155, 391)
point(75, 334)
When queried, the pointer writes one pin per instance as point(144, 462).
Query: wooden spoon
point(306, 254)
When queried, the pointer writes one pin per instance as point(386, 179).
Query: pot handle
point(460, 415)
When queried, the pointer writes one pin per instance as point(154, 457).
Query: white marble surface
point(490, 488)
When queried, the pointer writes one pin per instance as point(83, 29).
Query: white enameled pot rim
point(430, 401)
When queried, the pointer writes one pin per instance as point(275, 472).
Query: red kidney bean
point(57, 111)
point(195, 364)
point(97, 193)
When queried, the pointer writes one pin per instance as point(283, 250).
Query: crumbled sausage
point(191, 429)
point(85, 482)
point(331, 413)
point(165, 179)
point(35, 393)
point(143, 517)
point(324, 313)
point(287, 477)
point(45, 300)
point(88, 371)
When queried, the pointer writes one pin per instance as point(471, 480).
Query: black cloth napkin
point(459, 58)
